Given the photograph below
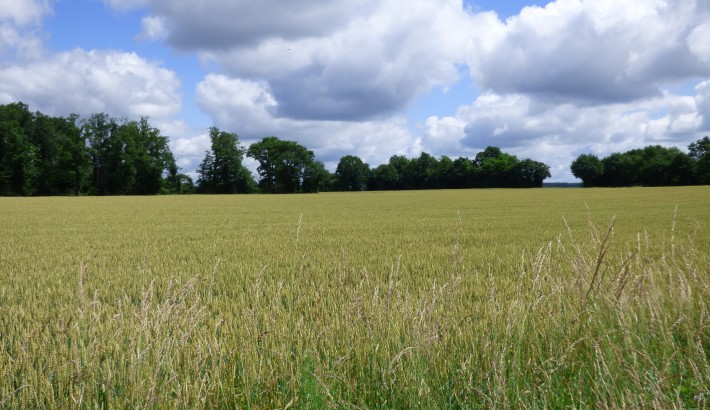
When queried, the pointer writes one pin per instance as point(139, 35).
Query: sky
point(373, 78)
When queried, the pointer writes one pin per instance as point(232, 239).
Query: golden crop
point(471, 298)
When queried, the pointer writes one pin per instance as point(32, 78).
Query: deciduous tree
point(285, 166)
point(351, 174)
point(222, 171)
point(588, 168)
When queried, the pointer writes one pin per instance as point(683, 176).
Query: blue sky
point(545, 80)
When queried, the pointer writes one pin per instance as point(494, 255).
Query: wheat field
point(544, 298)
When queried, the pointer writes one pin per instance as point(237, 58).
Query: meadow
point(541, 298)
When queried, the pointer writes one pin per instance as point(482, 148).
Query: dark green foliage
point(383, 178)
point(700, 152)
point(43, 155)
point(403, 167)
point(529, 174)
point(176, 183)
point(98, 131)
point(491, 168)
point(222, 172)
point(461, 173)
point(127, 157)
point(286, 166)
point(19, 158)
point(40, 155)
point(653, 165)
point(426, 175)
point(316, 178)
point(588, 168)
point(352, 174)
point(494, 168)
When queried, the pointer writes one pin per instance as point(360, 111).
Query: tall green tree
point(444, 173)
point(149, 153)
point(661, 166)
point(588, 168)
point(127, 157)
point(352, 173)
point(700, 152)
point(494, 168)
point(285, 166)
point(620, 169)
point(316, 178)
point(64, 159)
point(653, 165)
point(383, 178)
point(222, 171)
point(98, 130)
point(529, 174)
point(426, 172)
point(19, 157)
point(18, 161)
point(461, 174)
point(48, 154)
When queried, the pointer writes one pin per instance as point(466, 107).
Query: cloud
point(702, 100)
point(235, 101)
point(24, 12)
point(571, 77)
point(248, 108)
point(324, 60)
point(153, 28)
point(219, 24)
point(86, 82)
point(443, 136)
point(583, 76)
point(20, 22)
point(593, 51)
point(699, 42)
point(126, 4)
point(556, 133)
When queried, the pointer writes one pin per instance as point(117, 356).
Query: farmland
point(465, 298)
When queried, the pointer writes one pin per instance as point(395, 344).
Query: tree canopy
point(588, 168)
point(286, 166)
point(127, 157)
point(700, 152)
point(653, 165)
point(352, 174)
point(491, 168)
point(101, 155)
point(221, 171)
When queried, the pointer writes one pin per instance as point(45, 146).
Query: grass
point(435, 299)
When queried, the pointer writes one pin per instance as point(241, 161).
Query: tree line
point(288, 167)
point(650, 166)
point(102, 155)
point(44, 155)
point(491, 168)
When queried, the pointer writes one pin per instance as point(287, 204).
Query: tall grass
point(584, 318)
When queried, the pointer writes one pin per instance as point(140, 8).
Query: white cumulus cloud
point(153, 28)
point(324, 60)
point(247, 108)
point(20, 23)
point(86, 82)
point(24, 12)
point(593, 51)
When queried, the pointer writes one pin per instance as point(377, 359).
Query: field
point(584, 298)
